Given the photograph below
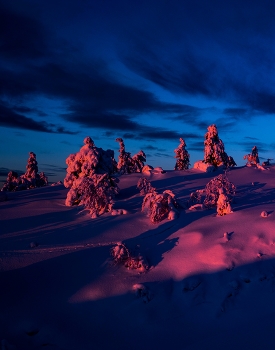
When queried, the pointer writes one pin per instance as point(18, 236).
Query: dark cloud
point(248, 145)
point(50, 167)
point(4, 171)
point(9, 118)
point(153, 148)
point(236, 112)
point(251, 138)
point(163, 155)
point(21, 36)
point(220, 51)
point(196, 146)
point(25, 109)
point(215, 50)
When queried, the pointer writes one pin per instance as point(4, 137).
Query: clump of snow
point(158, 170)
point(142, 292)
point(127, 164)
point(119, 212)
point(182, 156)
point(219, 188)
point(89, 177)
point(33, 244)
point(147, 169)
point(214, 152)
point(264, 214)
point(30, 179)
point(201, 165)
point(57, 183)
point(226, 236)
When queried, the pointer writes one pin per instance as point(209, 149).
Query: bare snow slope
point(61, 290)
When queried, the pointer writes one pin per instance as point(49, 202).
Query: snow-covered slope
point(210, 282)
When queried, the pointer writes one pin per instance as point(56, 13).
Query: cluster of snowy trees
point(93, 176)
point(30, 179)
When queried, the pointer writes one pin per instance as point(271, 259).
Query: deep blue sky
point(147, 71)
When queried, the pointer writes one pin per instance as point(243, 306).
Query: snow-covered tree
point(217, 186)
point(144, 186)
point(89, 177)
point(214, 152)
point(30, 179)
point(223, 204)
point(127, 164)
point(138, 161)
point(253, 157)
point(121, 254)
point(160, 206)
point(183, 158)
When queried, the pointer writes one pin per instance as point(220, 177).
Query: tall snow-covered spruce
point(30, 179)
point(214, 153)
point(90, 178)
point(182, 156)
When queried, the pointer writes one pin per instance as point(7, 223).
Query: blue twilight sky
point(149, 71)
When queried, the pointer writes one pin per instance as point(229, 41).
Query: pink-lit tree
point(214, 152)
point(30, 179)
point(127, 164)
point(90, 178)
point(183, 158)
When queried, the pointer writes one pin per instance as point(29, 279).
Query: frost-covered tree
point(214, 152)
point(144, 186)
point(160, 206)
point(30, 179)
point(223, 204)
point(127, 164)
point(182, 156)
point(121, 254)
point(138, 161)
point(217, 186)
point(89, 177)
point(253, 157)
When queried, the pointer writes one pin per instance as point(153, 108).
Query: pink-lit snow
point(210, 282)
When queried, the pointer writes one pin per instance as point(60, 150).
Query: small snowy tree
point(124, 158)
point(89, 177)
point(144, 186)
point(121, 254)
point(223, 204)
point(30, 179)
point(214, 152)
point(127, 164)
point(217, 186)
point(253, 157)
point(138, 161)
point(160, 206)
point(183, 158)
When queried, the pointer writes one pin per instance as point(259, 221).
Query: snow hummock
point(208, 282)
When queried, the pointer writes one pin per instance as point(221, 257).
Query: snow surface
point(210, 282)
